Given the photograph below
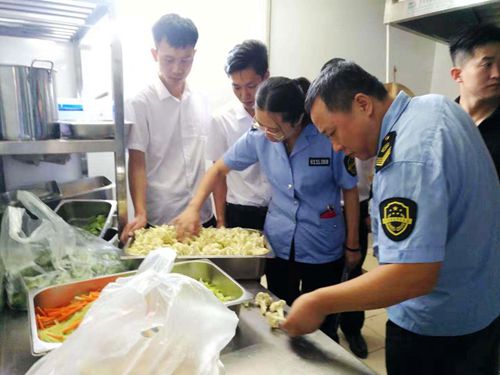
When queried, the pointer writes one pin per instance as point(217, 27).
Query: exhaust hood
point(440, 19)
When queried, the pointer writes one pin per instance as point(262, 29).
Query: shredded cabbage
point(210, 242)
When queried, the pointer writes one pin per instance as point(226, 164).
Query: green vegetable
point(80, 266)
point(216, 291)
point(96, 224)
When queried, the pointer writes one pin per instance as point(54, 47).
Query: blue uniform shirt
point(436, 198)
point(303, 186)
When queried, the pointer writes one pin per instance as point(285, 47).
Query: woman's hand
point(138, 222)
point(187, 224)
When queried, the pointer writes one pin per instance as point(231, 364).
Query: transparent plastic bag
point(45, 250)
point(151, 323)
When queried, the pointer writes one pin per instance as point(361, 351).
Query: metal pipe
point(119, 116)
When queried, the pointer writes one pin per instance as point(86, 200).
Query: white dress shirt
point(172, 134)
point(248, 187)
point(365, 169)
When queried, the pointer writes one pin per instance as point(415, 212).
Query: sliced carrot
point(49, 316)
point(40, 311)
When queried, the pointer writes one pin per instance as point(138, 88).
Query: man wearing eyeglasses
point(167, 141)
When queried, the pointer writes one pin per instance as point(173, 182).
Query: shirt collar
point(392, 115)
point(163, 93)
point(241, 112)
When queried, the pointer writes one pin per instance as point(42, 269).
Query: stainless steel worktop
point(255, 349)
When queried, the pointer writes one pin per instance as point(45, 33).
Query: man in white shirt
point(241, 200)
point(167, 140)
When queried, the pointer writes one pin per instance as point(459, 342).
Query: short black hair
point(332, 63)
point(338, 83)
point(284, 96)
point(249, 54)
point(467, 40)
point(177, 31)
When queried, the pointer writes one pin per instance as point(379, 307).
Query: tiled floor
point(373, 330)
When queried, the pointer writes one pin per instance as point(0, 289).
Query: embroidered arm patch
point(350, 165)
point(398, 217)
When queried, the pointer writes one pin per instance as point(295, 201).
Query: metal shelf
point(58, 20)
point(57, 146)
point(68, 21)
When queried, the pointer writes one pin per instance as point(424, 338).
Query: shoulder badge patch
point(398, 217)
point(384, 156)
point(350, 165)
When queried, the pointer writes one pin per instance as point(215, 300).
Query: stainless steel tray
point(46, 191)
point(79, 212)
point(90, 130)
point(238, 267)
point(241, 267)
point(61, 295)
point(98, 187)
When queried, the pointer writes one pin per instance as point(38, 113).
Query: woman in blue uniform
point(305, 223)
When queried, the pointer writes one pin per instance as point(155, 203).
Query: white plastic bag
point(151, 323)
point(42, 251)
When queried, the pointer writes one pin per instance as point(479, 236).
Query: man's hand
point(352, 258)
point(187, 223)
point(304, 316)
point(137, 223)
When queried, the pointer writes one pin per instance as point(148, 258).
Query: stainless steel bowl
point(61, 295)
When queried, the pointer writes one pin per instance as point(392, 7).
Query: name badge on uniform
point(384, 156)
point(350, 165)
point(319, 162)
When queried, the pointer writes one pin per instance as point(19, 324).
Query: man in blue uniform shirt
point(435, 223)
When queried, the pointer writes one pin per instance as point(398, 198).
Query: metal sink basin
point(80, 212)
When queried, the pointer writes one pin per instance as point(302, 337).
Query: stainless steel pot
point(28, 108)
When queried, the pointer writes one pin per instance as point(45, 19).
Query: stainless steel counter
point(255, 349)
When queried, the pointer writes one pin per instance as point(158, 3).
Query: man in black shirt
point(475, 53)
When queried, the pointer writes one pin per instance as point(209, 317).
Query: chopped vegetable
point(210, 241)
point(273, 311)
point(96, 224)
point(263, 300)
point(274, 319)
point(55, 324)
point(216, 291)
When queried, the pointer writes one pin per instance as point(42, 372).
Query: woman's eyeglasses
point(273, 131)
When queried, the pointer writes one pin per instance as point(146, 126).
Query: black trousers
point(352, 322)
point(407, 353)
point(288, 279)
point(210, 223)
point(245, 216)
